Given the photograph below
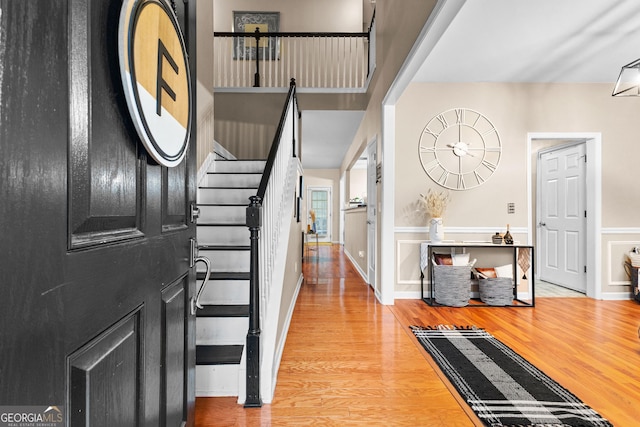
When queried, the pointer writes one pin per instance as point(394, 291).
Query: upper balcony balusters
point(316, 60)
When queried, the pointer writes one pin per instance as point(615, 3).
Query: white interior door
point(562, 216)
point(319, 201)
point(371, 212)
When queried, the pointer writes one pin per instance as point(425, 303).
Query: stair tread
point(224, 247)
point(220, 310)
point(218, 354)
point(224, 275)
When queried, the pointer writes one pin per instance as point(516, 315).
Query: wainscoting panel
point(616, 258)
point(408, 262)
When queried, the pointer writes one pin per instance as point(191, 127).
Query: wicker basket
point(496, 290)
point(452, 285)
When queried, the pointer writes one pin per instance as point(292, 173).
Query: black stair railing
point(321, 59)
point(255, 224)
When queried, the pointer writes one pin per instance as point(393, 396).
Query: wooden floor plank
point(350, 361)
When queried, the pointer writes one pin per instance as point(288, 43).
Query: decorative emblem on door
point(155, 74)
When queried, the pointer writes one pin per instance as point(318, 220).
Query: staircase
point(223, 237)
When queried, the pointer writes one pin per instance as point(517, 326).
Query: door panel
point(174, 200)
point(104, 171)
point(104, 377)
point(94, 263)
point(175, 303)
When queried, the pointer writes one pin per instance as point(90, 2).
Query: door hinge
point(193, 252)
point(585, 268)
point(585, 213)
point(195, 212)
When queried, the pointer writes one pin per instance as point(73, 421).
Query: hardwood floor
point(350, 361)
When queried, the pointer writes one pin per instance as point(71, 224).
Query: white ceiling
point(536, 41)
point(583, 41)
point(326, 136)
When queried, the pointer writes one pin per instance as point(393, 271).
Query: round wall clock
point(459, 149)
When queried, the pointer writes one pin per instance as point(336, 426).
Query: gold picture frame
point(246, 48)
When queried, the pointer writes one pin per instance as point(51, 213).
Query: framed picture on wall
point(248, 47)
point(301, 187)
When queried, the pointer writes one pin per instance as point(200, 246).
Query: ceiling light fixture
point(628, 83)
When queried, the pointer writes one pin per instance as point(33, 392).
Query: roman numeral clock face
point(459, 149)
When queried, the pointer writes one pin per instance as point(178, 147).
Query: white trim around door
point(593, 142)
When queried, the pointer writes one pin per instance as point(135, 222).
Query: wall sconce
point(628, 83)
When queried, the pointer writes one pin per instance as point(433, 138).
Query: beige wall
point(357, 183)
point(517, 109)
point(355, 237)
point(323, 178)
point(292, 278)
point(204, 42)
point(246, 123)
point(398, 24)
point(296, 15)
point(204, 84)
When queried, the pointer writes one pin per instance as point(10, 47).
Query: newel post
point(254, 222)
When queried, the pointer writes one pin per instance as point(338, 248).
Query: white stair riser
point(225, 292)
point(234, 261)
point(223, 214)
point(225, 195)
point(234, 180)
point(217, 380)
point(239, 166)
point(221, 330)
point(222, 235)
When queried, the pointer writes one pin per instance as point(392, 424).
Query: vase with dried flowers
point(435, 204)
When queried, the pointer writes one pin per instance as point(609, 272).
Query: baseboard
point(218, 151)
point(356, 266)
point(407, 295)
point(204, 168)
point(416, 295)
point(615, 296)
point(285, 332)
point(222, 152)
point(608, 296)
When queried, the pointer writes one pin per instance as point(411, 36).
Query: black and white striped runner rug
point(501, 387)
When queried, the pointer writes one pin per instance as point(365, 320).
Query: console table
point(427, 250)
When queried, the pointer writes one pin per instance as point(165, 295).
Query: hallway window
point(319, 202)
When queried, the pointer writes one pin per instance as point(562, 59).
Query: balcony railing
point(270, 60)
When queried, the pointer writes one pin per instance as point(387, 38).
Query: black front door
point(95, 276)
